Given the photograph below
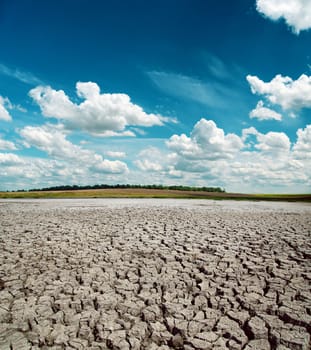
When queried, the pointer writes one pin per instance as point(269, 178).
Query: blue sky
point(200, 92)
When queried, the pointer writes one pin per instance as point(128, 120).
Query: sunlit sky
point(191, 92)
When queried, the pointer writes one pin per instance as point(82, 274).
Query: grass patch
point(153, 193)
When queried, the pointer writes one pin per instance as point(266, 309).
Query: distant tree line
point(105, 186)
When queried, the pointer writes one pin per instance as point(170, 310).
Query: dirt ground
point(154, 274)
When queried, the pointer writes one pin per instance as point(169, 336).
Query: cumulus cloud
point(260, 162)
point(108, 166)
point(264, 113)
point(27, 172)
point(252, 162)
point(296, 13)
point(302, 147)
point(20, 172)
point(7, 145)
point(51, 141)
point(109, 133)
point(204, 153)
point(54, 143)
point(284, 91)
point(4, 106)
point(206, 141)
point(248, 131)
point(273, 143)
point(102, 114)
point(115, 154)
point(151, 159)
point(147, 165)
point(8, 159)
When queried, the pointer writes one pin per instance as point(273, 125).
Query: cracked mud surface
point(153, 276)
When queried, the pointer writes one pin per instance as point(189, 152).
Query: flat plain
point(154, 274)
point(153, 193)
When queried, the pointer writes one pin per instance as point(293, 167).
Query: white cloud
point(115, 154)
point(29, 172)
point(296, 13)
point(100, 114)
point(259, 162)
point(51, 141)
point(24, 77)
point(9, 159)
point(147, 165)
point(4, 106)
point(183, 86)
point(249, 131)
point(274, 143)
point(284, 91)
point(20, 108)
point(26, 172)
point(54, 143)
point(211, 93)
point(151, 159)
point(206, 141)
point(264, 113)
point(7, 145)
point(302, 147)
point(109, 133)
point(108, 166)
point(207, 156)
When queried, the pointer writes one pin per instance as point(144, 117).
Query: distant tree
point(118, 186)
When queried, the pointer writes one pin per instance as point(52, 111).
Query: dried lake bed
point(154, 274)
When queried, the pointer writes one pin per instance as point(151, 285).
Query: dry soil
point(154, 274)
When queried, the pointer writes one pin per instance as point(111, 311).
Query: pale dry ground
point(154, 274)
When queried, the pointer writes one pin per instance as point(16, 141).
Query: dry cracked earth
point(153, 277)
